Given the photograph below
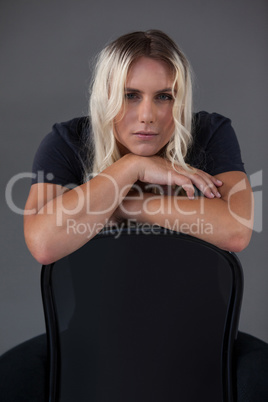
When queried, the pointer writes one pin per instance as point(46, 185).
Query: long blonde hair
point(107, 95)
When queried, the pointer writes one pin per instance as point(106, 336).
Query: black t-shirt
point(61, 156)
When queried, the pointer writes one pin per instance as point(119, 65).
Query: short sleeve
point(216, 148)
point(59, 157)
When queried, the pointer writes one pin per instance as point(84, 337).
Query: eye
point(131, 96)
point(164, 97)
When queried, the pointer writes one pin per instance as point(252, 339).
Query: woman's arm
point(58, 221)
point(225, 222)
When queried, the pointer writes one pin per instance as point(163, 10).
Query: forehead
point(146, 69)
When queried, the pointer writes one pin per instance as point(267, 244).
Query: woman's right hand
point(156, 170)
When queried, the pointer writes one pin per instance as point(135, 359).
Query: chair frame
point(231, 326)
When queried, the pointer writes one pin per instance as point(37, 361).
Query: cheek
point(167, 118)
point(130, 115)
point(123, 120)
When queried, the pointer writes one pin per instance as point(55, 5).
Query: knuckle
point(187, 180)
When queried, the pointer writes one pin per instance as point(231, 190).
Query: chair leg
point(251, 368)
point(23, 372)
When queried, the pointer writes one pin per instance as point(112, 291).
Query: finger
point(189, 189)
point(186, 184)
point(205, 184)
point(213, 184)
point(211, 191)
point(215, 181)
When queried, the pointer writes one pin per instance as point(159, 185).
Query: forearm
point(65, 224)
point(206, 219)
point(67, 221)
point(212, 220)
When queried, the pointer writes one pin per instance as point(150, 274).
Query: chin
point(145, 152)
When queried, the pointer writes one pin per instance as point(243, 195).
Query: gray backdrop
point(46, 47)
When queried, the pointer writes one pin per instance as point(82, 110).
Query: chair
point(142, 315)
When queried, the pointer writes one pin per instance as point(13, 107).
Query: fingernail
point(212, 195)
point(219, 181)
point(218, 195)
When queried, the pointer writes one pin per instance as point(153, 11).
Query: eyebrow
point(139, 91)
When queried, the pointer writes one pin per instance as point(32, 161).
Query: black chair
point(139, 315)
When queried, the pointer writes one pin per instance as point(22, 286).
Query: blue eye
point(165, 97)
point(130, 96)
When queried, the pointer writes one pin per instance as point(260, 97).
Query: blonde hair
point(107, 95)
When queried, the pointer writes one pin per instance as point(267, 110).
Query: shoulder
point(215, 147)
point(63, 152)
point(206, 125)
point(72, 132)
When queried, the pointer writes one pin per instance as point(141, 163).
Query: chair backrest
point(142, 316)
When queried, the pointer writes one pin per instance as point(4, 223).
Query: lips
point(145, 134)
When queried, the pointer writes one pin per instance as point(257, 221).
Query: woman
point(143, 131)
point(140, 147)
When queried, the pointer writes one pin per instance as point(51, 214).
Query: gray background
point(46, 48)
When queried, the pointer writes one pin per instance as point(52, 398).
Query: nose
point(147, 112)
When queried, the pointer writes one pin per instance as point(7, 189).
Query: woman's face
point(147, 123)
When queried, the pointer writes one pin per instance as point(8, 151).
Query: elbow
point(41, 255)
point(43, 258)
point(238, 239)
point(39, 249)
